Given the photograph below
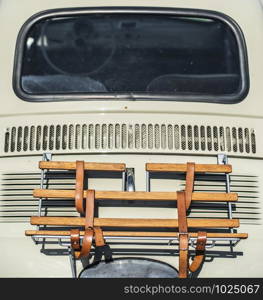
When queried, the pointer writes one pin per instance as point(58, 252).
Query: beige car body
point(19, 256)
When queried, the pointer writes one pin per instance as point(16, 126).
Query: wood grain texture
point(137, 234)
point(91, 166)
point(131, 223)
point(199, 168)
point(145, 196)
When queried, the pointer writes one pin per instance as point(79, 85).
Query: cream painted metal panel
point(251, 10)
point(19, 173)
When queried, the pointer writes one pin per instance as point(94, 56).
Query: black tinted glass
point(131, 53)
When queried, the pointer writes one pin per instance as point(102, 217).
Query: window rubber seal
point(182, 12)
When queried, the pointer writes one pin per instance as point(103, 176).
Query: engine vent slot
point(17, 203)
point(135, 137)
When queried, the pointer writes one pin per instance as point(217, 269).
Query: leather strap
point(199, 251)
point(183, 241)
point(75, 239)
point(89, 209)
point(183, 255)
point(86, 244)
point(183, 235)
point(189, 184)
point(99, 239)
point(181, 211)
point(101, 249)
point(89, 232)
point(79, 186)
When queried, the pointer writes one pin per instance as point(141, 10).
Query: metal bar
point(124, 181)
point(223, 159)
point(35, 240)
point(234, 245)
point(45, 157)
point(60, 237)
point(130, 180)
point(85, 179)
point(171, 241)
point(148, 183)
point(40, 199)
point(72, 261)
point(228, 191)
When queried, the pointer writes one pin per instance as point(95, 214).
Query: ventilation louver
point(118, 137)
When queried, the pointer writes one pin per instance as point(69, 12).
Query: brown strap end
point(79, 186)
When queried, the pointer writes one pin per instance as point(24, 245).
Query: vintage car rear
point(136, 83)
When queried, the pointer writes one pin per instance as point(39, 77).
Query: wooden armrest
point(66, 233)
point(145, 196)
point(62, 165)
point(199, 168)
point(131, 223)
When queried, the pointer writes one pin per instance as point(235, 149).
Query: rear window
point(132, 55)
